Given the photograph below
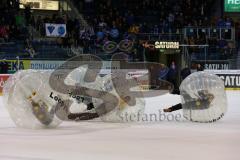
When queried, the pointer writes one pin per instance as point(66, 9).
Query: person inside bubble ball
point(203, 100)
point(91, 115)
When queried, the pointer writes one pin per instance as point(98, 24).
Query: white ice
point(162, 140)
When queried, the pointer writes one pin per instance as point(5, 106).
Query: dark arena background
point(127, 79)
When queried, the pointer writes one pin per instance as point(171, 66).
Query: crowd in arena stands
point(115, 20)
point(220, 47)
point(110, 20)
point(13, 23)
point(147, 16)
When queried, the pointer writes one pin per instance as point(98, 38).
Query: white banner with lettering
point(50, 65)
point(55, 30)
point(231, 78)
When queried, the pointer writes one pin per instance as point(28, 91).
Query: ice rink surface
point(162, 140)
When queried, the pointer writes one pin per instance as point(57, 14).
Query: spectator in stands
point(199, 67)
point(117, 18)
point(39, 23)
point(114, 32)
point(130, 19)
point(171, 19)
point(19, 20)
point(228, 23)
point(4, 32)
point(77, 49)
point(27, 12)
point(134, 29)
point(185, 72)
point(29, 48)
point(172, 74)
point(222, 43)
point(14, 32)
point(70, 26)
point(155, 30)
point(100, 35)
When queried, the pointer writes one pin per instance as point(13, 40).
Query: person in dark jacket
point(184, 73)
point(172, 75)
point(200, 67)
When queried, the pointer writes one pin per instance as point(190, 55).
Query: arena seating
point(116, 20)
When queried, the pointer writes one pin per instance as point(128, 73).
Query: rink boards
point(231, 78)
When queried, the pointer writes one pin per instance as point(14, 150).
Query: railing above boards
point(226, 33)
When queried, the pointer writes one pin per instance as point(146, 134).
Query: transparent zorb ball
point(109, 111)
point(26, 97)
point(203, 97)
point(122, 112)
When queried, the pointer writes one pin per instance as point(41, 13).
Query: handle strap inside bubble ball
point(63, 112)
point(82, 116)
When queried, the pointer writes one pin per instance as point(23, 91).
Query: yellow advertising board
point(14, 65)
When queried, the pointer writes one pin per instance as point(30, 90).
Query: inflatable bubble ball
point(203, 97)
point(118, 113)
point(26, 95)
point(33, 104)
